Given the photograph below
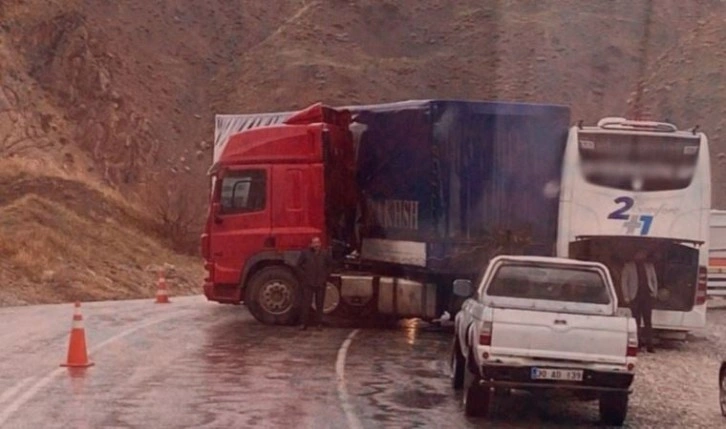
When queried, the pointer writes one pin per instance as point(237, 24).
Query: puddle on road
point(419, 399)
point(426, 373)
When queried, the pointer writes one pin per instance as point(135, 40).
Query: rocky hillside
point(121, 95)
point(136, 84)
point(688, 84)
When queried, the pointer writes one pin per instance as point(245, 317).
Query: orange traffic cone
point(77, 354)
point(162, 294)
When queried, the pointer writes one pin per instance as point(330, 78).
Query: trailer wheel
point(613, 408)
point(332, 298)
point(272, 296)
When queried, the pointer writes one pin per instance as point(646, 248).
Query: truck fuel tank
point(396, 296)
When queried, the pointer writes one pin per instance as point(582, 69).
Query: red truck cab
point(274, 189)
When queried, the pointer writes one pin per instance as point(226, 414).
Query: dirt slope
point(64, 240)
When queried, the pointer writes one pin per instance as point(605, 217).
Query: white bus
point(628, 185)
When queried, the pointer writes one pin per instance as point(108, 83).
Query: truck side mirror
point(463, 288)
point(216, 210)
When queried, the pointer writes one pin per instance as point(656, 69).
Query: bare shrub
point(178, 213)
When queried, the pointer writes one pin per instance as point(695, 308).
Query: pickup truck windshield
point(550, 283)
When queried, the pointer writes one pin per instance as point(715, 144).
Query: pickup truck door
point(566, 336)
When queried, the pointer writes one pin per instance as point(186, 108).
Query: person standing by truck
point(640, 287)
point(315, 265)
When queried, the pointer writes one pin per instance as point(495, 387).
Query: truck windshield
point(552, 283)
point(638, 162)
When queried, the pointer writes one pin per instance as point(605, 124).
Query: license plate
point(557, 374)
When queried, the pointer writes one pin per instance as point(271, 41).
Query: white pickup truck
point(544, 325)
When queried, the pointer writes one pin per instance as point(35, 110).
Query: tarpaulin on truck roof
point(229, 124)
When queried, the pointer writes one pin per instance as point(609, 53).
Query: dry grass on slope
point(63, 239)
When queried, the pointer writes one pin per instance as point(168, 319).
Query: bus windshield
point(638, 162)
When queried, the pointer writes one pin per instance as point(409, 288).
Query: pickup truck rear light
point(702, 290)
point(485, 335)
point(632, 350)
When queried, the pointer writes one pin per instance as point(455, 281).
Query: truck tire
point(722, 388)
point(272, 296)
point(613, 408)
point(477, 397)
point(332, 299)
point(458, 366)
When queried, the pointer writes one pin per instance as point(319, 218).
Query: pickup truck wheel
point(613, 408)
point(458, 363)
point(272, 296)
point(477, 397)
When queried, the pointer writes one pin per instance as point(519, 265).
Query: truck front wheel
point(272, 296)
point(613, 408)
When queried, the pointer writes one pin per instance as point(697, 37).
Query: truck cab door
point(297, 205)
point(241, 222)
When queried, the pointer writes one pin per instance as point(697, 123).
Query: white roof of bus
point(598, 130)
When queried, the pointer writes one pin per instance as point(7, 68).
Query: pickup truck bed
point(559, 336)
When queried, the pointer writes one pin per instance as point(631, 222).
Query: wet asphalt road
point(194, 364)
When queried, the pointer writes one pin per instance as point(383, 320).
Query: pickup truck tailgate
point(566, 336)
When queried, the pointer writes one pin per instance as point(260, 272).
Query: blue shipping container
point(470, 179)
